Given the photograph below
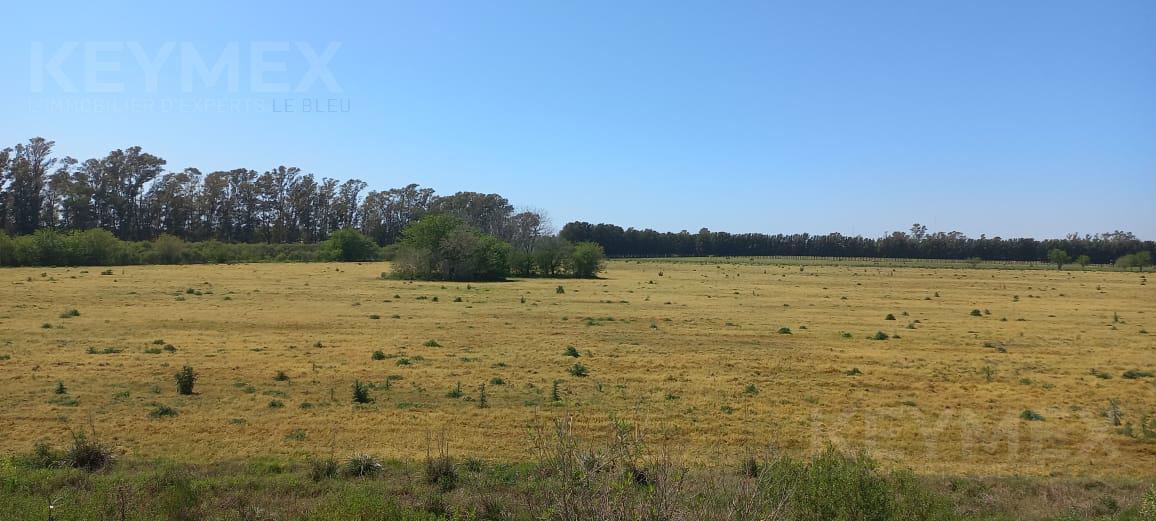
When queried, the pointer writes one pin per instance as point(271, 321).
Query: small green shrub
point(889, 317)
point(378, 355)
point(572, 351)
point(162, 411)
point(456, 392)
point(186, 377)
point(70, 313)
point(281, 377)
point(1031, 416)
point(976, 313)
point(441, 472)
point(1133, 374)
point(750, 467)
point(322, 469)
point(362, 465)
point(431, 343)
point(879, 335)
point(87, 454)
point(361, 392)
point(579, 370)
point(784, 330)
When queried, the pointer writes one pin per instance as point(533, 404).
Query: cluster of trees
point(918, 243)
point(129, 193)
point(444, 247)
point(1138, 260)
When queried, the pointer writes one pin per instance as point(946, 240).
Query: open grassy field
point(697, 354)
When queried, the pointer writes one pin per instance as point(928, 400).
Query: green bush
point(361, 392)
point(362, 465)
point(349, 245)
point(322, 469)
point(168, 249)
point(87, 454)
point(162, 411)
point(186, 377)
point(587, 260)
point(1031, 416)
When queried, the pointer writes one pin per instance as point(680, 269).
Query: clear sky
point(1014, 118)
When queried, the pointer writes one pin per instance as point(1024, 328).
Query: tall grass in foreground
point(566, 478)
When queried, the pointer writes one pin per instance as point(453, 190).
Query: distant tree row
point(918, 243)
point(129, 193)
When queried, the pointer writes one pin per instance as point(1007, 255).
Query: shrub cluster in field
point(443, 247)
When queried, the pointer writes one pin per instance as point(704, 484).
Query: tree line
point(130, 193)
point(280, 211)
point(918, 243)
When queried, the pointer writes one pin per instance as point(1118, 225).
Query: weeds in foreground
point(440, 470)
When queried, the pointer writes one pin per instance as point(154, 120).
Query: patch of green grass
point(1032, 416)
point(1133, 374)
point(162, 411)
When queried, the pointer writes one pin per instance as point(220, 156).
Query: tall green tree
point(587, 260)
point(27, 174)
point(1058, 257)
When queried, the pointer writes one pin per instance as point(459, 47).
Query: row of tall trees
point(918, 243)
point(131, 194)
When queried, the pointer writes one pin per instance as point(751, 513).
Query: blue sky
point(1005, 118)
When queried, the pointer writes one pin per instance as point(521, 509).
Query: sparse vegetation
point(1031, 415)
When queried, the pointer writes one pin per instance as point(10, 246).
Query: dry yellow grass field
point(692, 352)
